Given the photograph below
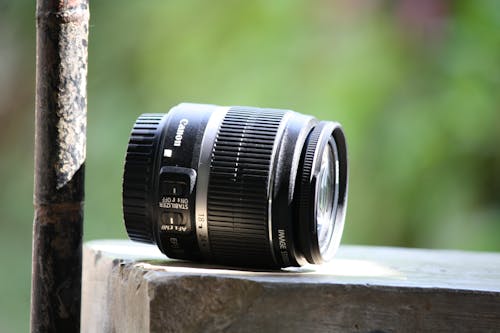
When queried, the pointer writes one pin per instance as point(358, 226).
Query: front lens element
point(325, 198)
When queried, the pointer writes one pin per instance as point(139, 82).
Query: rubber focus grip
point(239, 184)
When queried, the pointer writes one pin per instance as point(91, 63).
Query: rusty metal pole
point(60, 137)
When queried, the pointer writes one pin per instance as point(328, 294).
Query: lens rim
point(325, 133)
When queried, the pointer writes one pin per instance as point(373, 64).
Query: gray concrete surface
point(132, 287)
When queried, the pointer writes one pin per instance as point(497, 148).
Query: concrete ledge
point(131, 287)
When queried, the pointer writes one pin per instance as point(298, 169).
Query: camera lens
point(238, 186)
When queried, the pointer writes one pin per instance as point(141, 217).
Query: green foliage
point(421, 110)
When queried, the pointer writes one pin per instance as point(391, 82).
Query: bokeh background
point(416, 85)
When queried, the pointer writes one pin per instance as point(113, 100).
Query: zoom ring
point(305, 193)
point(239, 186)
point(139, 164)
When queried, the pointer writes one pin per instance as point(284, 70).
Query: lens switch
point(172, 218)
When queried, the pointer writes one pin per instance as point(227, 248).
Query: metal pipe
point(60, 138)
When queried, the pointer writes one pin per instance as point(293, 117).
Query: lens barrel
point(238, 186)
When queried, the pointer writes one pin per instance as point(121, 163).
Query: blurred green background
point(416, 85)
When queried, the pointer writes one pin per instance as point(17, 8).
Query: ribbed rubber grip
point(306, 191)
point(239, 186)
point(139, 164)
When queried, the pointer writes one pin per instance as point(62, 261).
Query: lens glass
point(326, 198)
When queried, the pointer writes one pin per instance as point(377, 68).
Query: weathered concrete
point(130, 287)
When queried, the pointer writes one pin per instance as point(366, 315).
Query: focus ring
point(239, 186)
point(139, 164)
point(306, 212)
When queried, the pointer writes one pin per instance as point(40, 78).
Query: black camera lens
point(237, 186)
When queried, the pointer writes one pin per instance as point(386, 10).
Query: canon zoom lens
point(238, 186)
